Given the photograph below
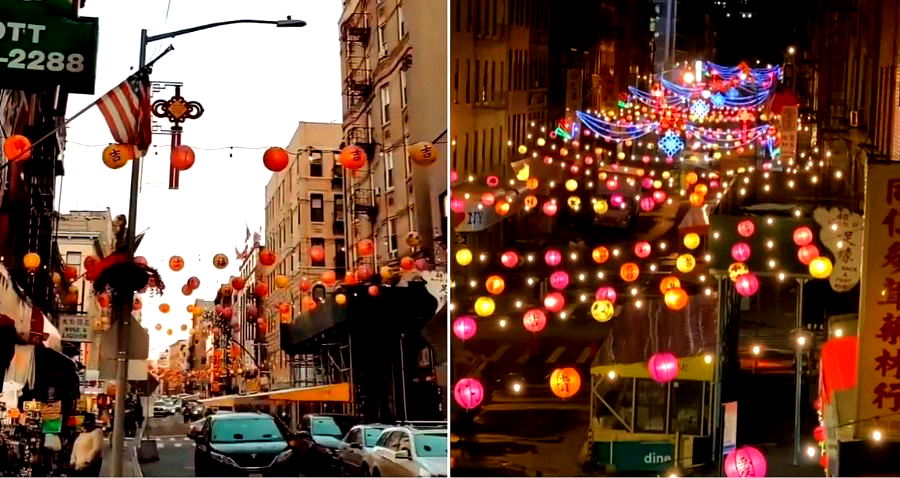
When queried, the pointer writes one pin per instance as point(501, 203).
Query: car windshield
point(372, 435)
point(431, 445)
point(326, 426)
point(245, 430)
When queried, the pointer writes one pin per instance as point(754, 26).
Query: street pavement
point(176, 450)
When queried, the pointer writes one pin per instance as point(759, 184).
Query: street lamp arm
point(287, 23)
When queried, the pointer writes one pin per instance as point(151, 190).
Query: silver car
point(408, 451)
point(356, 446)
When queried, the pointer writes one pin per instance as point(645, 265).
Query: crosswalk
point(173, 442)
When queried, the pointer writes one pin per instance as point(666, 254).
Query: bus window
point(650, 406)
point(617, 394)
point(687, 404)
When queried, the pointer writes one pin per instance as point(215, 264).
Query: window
point(338, 207)
point(392, 236)
point(74, 259)
point(317, 207)
point(650, 407)
point(403, 88)
point(315, 163)
point(372, 435)
point(340, 260)
point(382, 41)
point(317, 241)
point(389, 171)
point(245, 430)
point(385, 105)
point(431, 445)
point(401, 22)
point(353, 436)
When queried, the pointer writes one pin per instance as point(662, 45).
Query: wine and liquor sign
point(42, 45)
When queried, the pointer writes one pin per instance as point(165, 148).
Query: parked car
point(409, 451)
point(164, 408)
point(356, 447)
point(249, 444)
point(192, 410)
point(320, 438)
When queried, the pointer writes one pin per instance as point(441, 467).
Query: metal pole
point(403, 377)
point(717, 436)
point(118, 438)
point(798, 373)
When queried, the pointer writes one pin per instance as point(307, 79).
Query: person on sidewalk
point(87, 451)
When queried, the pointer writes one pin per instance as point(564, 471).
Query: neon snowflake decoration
point(718, 100)
point(671, 143)
point(699, 108)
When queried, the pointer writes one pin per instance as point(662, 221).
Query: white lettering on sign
point(653, 459)
point(15, 29)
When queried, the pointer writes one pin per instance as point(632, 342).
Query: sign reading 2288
point(36, 60)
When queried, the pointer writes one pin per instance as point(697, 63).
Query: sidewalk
point(130, 465)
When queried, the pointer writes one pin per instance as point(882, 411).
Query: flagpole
point(76, 115)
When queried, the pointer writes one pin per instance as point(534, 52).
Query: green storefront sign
point(634, 455)
point(40, 48)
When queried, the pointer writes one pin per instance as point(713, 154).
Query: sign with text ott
point(41, 50)
point(879, 308)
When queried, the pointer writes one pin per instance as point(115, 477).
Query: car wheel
point(375, 472)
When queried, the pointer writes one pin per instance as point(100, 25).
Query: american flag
point(127, 111)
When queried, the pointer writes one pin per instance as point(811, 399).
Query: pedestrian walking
point(87, 451)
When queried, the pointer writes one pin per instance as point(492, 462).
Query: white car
point(358, 445)
point(408, 451)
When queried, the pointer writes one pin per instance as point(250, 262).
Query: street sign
point(729, 436)
point(635, 455)
point(42, 51)
point(75, 328)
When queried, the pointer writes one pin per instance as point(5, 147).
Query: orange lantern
point(350, 278)
point(17, 148)
point(275, 159)
point(691, 178)
point(176, 263)
point(423, 153)
point(282, 282)
point(600, 254)
point(309, 304)
point(164, 308)
point(184, 327)
point(284, 308)
point(169, 332)
point(182, 157)
point(365, 247)
point(407, 263)
point(676, 298)
point(502, 208)
point(532, 183)
point(696, 199)
point(31, 261)
point(261, 290)
point(267, 257)
point(220, 261)
point(305, 284)
point(495, 284)
point(669, 282)
point(329, 278)
point(186, 290)
point(91, 262)
point(238, 283)
point(353, 157)
point(565, 382)
point(117, 155)
point(629, 271)
point(317, 253)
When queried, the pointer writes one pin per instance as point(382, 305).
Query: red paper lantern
point(629, 271)
point(91, 262)
point(407, 263)
point(747, 284)
point(647, 203)
point(261, 290)
point(600, 254)
point(317, 253)
point(552, 257)
point(606, 293)
point(350, 278)
point(176, 263)
point(803, 236)
point(70, 272)
point(353, 157)
point(465, 327)
point(267, 257)
point(364, 272)
point(550, 208)
point(374, 290)
point(663, 367)
point(534, 320)
point(329, 278)
point(642, 249)
point(17, 148)
point(194, 282)
point(820, 434)
point(807, 253)
point(182, 157)
point(275, 159)
point(305, 284)
point(745, 461)
point(554, 302)
point(740, 252)
point(238, 283)
point(559, 280)
point(103, 300)
point(746, 228)
point(365, 247)
point(509, 259)
point(468, 393)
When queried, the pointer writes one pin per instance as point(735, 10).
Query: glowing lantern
point(488, 198)
point(282, 282)
point(803, 236)
point(423, 153)
point(702, 189)
point(365, 247)
point(193, 282)
point(182, 157)
point(612, 184)
point(747, 284)
point(464, 327)
point(565, 382)
point(574, 203)
point(70, 272)
point(198, 311)
point(227, 312)
point(745, 461)
point(740, 252)
point(407, 263)
point(468, 393)
point(617, 200)
point(340, 299)
point(807, 253)
point(176, 263)
point(647, 203)
point(317, 253)
point(386, 272)
point(164, 308)
point(571, 185)
point(691, 240)
point(184, 327)
point(328, 278)
point(261, 290)
point(530, 202)
point(532, 183)
point(534, 320)
point(267, 257)
point(17, 148)
point(502, 208)
point(606, 293)
point(820, 267)
point(552, 257)
point(353, 157)
point(457, 205)
point(238, 283)
point(691, 178)
point(374, 291)
point(220, 261)
point(736, 270)
point(696, 199)
point(600, 254)
point(642, 249)
point(660, 196)
point(463, 257)
point(629, 271)
point(669, 282)
point(484, 306)
point(31, 261)
point(350, 278)
point(550, 207)
point(495, 284)
point(559, 280)
point(275, 159)
point(602, 310)
point(509, 259)
point(117, 155)
point(746, 228)
point(554, 302)
point(676, 298)
point(820, 434)
point(685, 263)
point(663, 367)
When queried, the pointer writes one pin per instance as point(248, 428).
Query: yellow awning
point(690, 368)
point(223, 401)
point(338, 392)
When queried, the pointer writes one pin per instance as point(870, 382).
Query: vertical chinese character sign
point(879, 320)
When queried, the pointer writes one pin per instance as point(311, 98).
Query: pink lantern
point(468, 393)
point(606, 293)
point(492, 181)
point(219, 308)
point(647, 182)
point(803, 236)
point(740, 252)
point(559, 280)
point(647, 203)
point(553, 257)
point(745, 461)
point(659, 196)
point(534, 320)
point(642, 249)
point(488, 198)
point(646, 159)
point(612, 184)
point(252, 313)
point(746, 228)
point(421, 264)
point(457, 205)
point(554, 302)
point(550, 207)
point(454, 176)
point(509, 259)
point(820, 434)
point(227, 312)
point(663, 367)
point(807, 253)
point(464, 327)
point(617, 200)
point(747, 284)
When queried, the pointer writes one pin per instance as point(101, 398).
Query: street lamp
point(118, 438)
